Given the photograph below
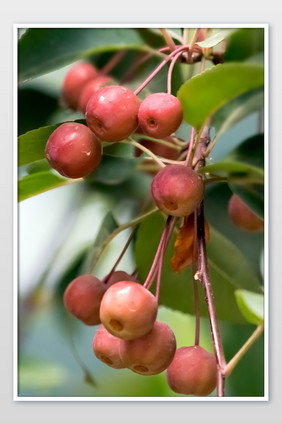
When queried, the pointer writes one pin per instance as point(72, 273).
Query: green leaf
point(237, 109)
point(39, 182)
point(103, 238)
point(113, 170)
point(42, 50)
point(40, 374)
point(228, 268)
point(215, 39)
point(250, 151)
point(251, 305)
point(244, 43)
point(235, 171)
point(204, 94)
point(31, 145)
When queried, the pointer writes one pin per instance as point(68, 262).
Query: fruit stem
point(158, 68)
point(105, 280)
point(160, 141)
point(170, 69)
point(191, 142)
point(115, 59)
point(164, 240)
point(168, 39)
point(204, 277)
point(195, 285)
point(239, 355)
point(144, 149)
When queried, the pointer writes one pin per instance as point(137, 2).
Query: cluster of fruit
point(112, 113)
point(130, 337)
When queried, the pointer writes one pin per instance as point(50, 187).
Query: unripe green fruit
point(82, 298)
point(242, 216)
point(106, 348)
point(73, 150)
point(79, 75)
point(177, 190)
point(150, 354)
point(193, 371)
point(128, 310)
point(111, 113)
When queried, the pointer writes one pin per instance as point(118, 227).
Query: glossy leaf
point(251, 305)
point(113, 170)
point(228, 268)
point(244, 43)
point(204, 94)
point(250, 151)
point(234, 170)
point(42, 50)
point(39, 182)
point(215, 38)
point(237, 109)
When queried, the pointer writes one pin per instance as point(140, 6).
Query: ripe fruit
point(90, 88)
point(242, 216)
point(111, 113)
point(74, 82)
point(82, 298)
point(106, 348)
point(160, 114)
point(128, 310)
point(150, 354)
point(177, 190)
point(193, 371)
point(73, 150)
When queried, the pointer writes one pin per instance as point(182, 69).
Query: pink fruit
point(128, 310)
point(242, 216)
point(106, 348)
point(90, 88)
point(111, 113)
point(160, 114)
point(177, 190)
point(150, 354)
point(193, 371)
point(73, 150)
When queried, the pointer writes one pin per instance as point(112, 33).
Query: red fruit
point(106, 348)
point(73, 150)
point(75, 80)
point(111, 113)
point(242, 216)
point(193, 371)
point(150, 354)
point(128, 310)
point(82, 298)
point(160, 114)
point(90, 88)
point(177, 190)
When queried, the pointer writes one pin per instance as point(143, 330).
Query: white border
point(266, 217)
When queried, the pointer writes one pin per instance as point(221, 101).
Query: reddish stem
point(158, 68)
point(171, 66)
point(195, 286)
point(191, 142)
point(115, 59)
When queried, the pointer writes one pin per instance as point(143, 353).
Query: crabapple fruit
point(90, 88)
point(152, 353)
point(193, 371)
point(74, 81)
point(242, 216)
point(112, 113)
point(82, 298)
point(73, 150)
point(128, 310)
point(177, 190)
point(106, 348)
point(160, 114)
